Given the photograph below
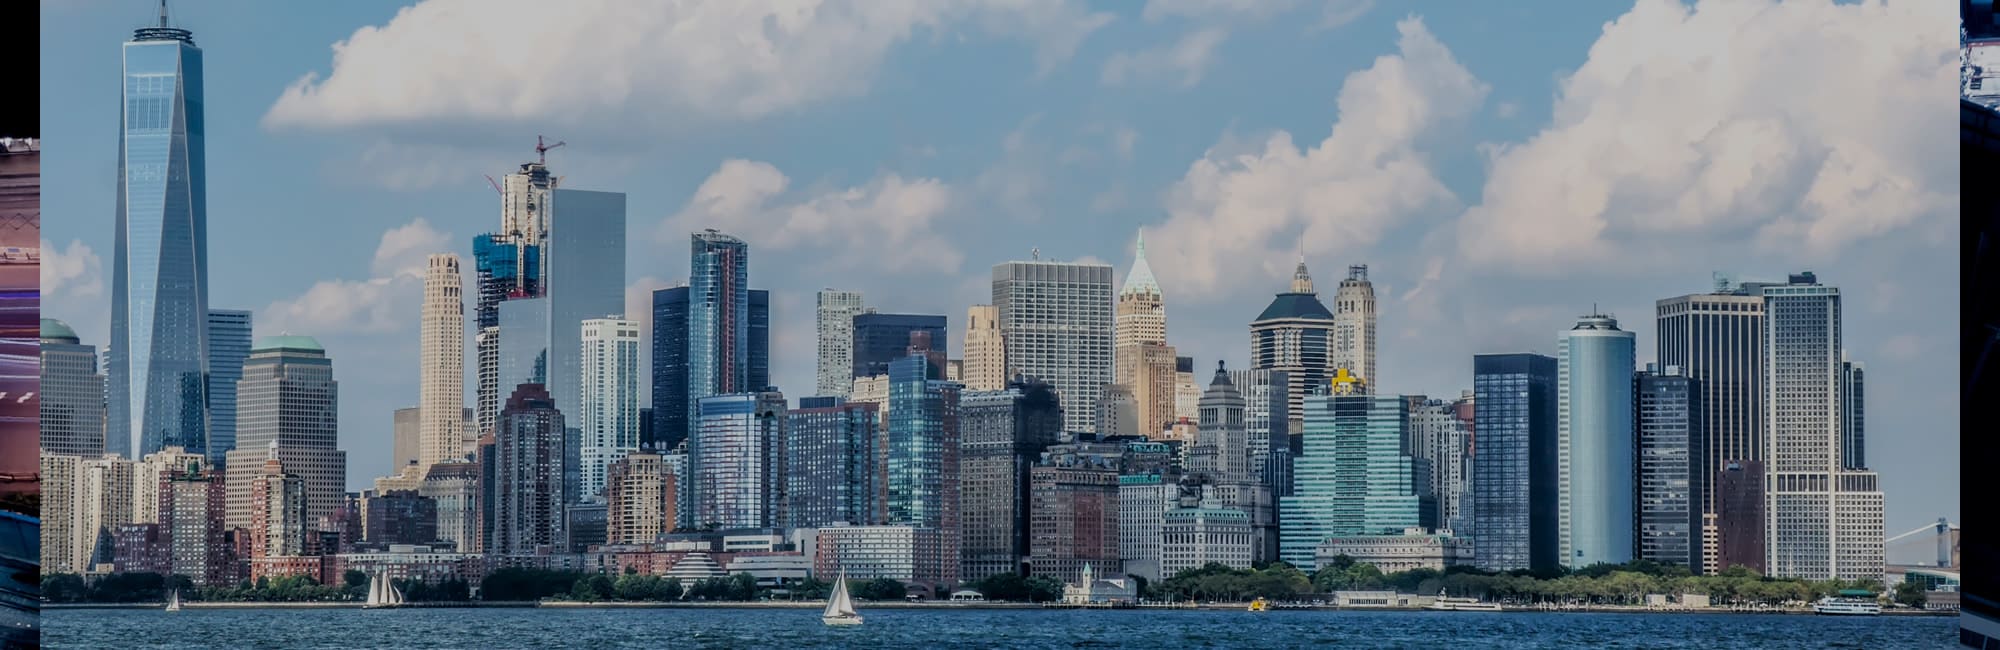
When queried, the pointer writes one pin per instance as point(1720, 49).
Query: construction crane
point(542, 150)
point(496, 185)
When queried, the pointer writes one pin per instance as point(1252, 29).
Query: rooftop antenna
point(163, 13)
point(1035, 253)
point(541, 150)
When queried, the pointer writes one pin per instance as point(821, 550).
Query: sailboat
point(840, 608)
point(174, 600)
point(382, 594)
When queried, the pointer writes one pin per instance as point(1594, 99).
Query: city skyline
point(1426, 297)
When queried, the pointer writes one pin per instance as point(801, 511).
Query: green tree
point(1004, 587)
point(1044, 589)
point(65, 588)
point(742, 587)
point(882, 589)
point(1910, 594)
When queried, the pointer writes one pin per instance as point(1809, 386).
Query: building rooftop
point(288, 342)
point(1296, 305)
point(55, 329)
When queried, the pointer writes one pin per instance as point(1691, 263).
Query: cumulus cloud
point(1800, 127)
point(1267, 200)
point(387, 302)
point(73, 272)
point(1181, 64)
point(887, 223)
point(644, 66)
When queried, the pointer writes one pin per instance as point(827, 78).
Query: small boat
point(382, 594)
point(1448, 604)
point(1848, 603)
point(1260, 605)
point(840, 608)
point(174, 600)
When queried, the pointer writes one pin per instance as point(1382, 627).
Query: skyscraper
point(1144, 361)
point(718, 316)
point(158, 355)
point(1669, 501)
point(836, 341)
point(1823, 521)
point(507, 268)
point(1226, 458)
point(586, 280)
point(610, 406)
point(671, 407)
point(72, 404)
point(736, 462)
point(985, 350)
point(1594, 440)
point(277, 510)
point(923, 428)
point(1056, 322)
point(1073, 511)
point(441, 373)
point(454, 488)
point(1354, 326)
point(524, 346)
point(1266, 402)
point(639, 499)
point(1357, 476)
point(1295, 334)
point(1141, 311)
point(1853, 438)
point(191, 501)
point(408, 428)
point(527, 466)
point(1003, 434)
point(1438, 436)
point(831, 473)
point(289, 409)
point(882, 339)
point(1717, 340)
point(228, 346)
point(1514, 483)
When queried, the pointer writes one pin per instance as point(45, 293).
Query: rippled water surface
point(599, 629)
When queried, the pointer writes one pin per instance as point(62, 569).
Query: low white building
point(1094, 590)
point(1414, 549)
point(1191, 538)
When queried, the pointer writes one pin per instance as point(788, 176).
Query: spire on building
point(1302, 281)
point(1140, 279)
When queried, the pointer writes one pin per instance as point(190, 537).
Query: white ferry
point(1448, 604)
point(1848, 603)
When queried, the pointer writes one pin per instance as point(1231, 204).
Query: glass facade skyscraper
point(1717, 339)
point(830, 471)
point(1514, 483)
point(1002, 434)
point(505, 270)
point(524, 348)
point(923, 447)
point(158, 356)
point(1295, 335)
point(736, 462)
point(586, 280)
point(881, 339)
point(228, 346)
point(670, 367)
point(1670, 515)
point(1594, 442)
point(1357, 475)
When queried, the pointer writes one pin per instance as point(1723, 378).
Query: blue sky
point(1499, 166)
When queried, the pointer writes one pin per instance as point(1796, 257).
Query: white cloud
point(74, 272)
point(644, 66)
point(1241, 205)
point(384, 303)
point(406, 249)
point(1337, 13)
point(887, 223)
point(1181, 64)
point(1791, 129)
point(1015, 182)
point(1210, 10)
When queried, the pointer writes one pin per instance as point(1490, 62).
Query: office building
point(1739, 504)
point(191, 503)
point(506, 268)
point(158, 354)
point(1073, 511)
point(1411, 549)
point(1002, 435)
point(1354, 326)
point(881, 339)
point(408, 443)
point(640, 499)
point(277, 510)
point(916, 557)
point(524, 346)
point(1141, 313)
point(610, 406)
point(585, 268)
point(289, 400)
point(1266, 405)
point(1117, 412)
point(1225, 459)
point(1669, 501)
point(526, 465)
point(1056, 322)
point(836, 341)
point(670, 367)
point(398, 517)
point(441, 365)
point(1717, 340)
point(453, 489)
point(1195, 534)
point(923, 437)
point(1441, 439)
point(1853, 439)
point(1594, 430)
point(1144, 361)
point(228, 347)
point(1143, 502)
point(1514, 495)
point(832, 473)
point(736, 462)
point(985, 350)
point(72, 403)
point(1357, 476)
point(1187, 394)
point(1295, 335)
point(1822, 520)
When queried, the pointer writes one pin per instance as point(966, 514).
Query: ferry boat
point(1448, 604)
point(1260, 605)
point(1850, 602)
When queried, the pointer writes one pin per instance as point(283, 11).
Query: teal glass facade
point(1356, 477)
point(157, 360)
point(228, 348)
point(923, 446)
point(1595, 439)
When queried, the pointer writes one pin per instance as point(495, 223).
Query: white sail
point(840, 607)
point(174, 601)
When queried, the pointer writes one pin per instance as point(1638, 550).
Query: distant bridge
point(1943, 534)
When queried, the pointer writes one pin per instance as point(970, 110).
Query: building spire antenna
point(163, 13)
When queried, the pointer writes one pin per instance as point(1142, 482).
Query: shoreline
point(1242, 607)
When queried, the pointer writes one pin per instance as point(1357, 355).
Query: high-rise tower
point(228, 346)
point(836, 341)
point(158, 356)
point(1295, 334)
point(441, 373)
point(1594, 440)
point(1145, 363)
point(1055, 318)
point(290, 410)
point(72, 404)
point(1717, 340)
point(985, 350)
point(1354, 326)
point(610, 407)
